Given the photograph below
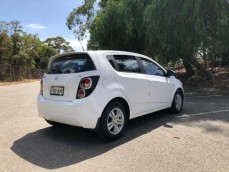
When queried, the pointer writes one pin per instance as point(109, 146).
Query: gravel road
point(195, 140)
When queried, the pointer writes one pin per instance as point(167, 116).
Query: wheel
point(177, 102)
point(113, 121)
point(54, 124)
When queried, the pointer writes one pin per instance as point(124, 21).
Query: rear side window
point(127, 63)
point(71, 64)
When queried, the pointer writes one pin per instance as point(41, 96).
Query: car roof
point(119, 52)
point(99, 52)
point(114, 51)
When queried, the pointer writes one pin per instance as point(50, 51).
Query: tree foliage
point(166, 30)
point(23, 49)
point(5, 47)
point(59, 44)
point(183, 29)
point(80, 18)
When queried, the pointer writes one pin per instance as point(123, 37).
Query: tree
point(13, 29)
point(59, 44)
point(5, 48)
point(119, 26)
point(213, 23)
point(10, 27)
point(80, 18)
point(44, 54)
point(33, 52)
point(172, 26)
point(106, 34)
point(23, 49)
point(30, 49)
point(166, 30)
point(185, 27)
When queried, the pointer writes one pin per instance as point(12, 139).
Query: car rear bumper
point(81, 112)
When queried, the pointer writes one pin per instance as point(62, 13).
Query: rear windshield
point(71, 64)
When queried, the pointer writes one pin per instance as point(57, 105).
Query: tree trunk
point(225, 61)
point(188, 68)
point(205, 59)
point(202, 70)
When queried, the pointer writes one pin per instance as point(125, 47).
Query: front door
point(160, 86)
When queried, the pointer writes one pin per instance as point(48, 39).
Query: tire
point(113, 121)
point(54, 124)
point(177, 102)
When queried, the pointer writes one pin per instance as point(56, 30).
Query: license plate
point(57, 90)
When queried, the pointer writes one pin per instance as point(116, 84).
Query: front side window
point(126, 63)
point(71, 64)
point(152, 68)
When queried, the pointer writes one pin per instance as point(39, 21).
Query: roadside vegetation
point(21, 52)
point(192, 34)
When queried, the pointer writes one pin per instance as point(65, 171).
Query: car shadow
point(209, 113)
point(53, 148)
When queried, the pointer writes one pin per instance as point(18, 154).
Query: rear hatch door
point(64, 74)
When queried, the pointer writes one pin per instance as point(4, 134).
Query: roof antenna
point(81, 44)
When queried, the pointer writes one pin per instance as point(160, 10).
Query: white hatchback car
point(102, 90)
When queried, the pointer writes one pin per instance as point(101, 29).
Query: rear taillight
point(81, 93)
point(41, 89)
point(86, 83)
point(86, 86)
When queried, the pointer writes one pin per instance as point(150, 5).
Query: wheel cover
point(115, 121)
point(178, 101)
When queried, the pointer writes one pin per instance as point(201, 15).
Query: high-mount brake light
point(86, 83)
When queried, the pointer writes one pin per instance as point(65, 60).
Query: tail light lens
point(81, 93)
point(86, 83)
point(41, 89)
point(86, 86)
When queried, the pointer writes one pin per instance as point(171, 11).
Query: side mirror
point(170, 73)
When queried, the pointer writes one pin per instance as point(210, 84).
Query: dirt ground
point(194, 140)
point(18, 82)
point(220, 79)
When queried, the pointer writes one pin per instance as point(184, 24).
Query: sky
point(47, 18)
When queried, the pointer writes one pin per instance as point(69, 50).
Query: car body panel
point(160, 91)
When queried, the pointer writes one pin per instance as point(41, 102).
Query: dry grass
point(220, 78)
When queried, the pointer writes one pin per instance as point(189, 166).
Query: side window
point(112, 63)
point(152, 68)
point(127, 63)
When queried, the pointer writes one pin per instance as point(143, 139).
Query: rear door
point(64, 74)
point(132, 82)
point(160, 86)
